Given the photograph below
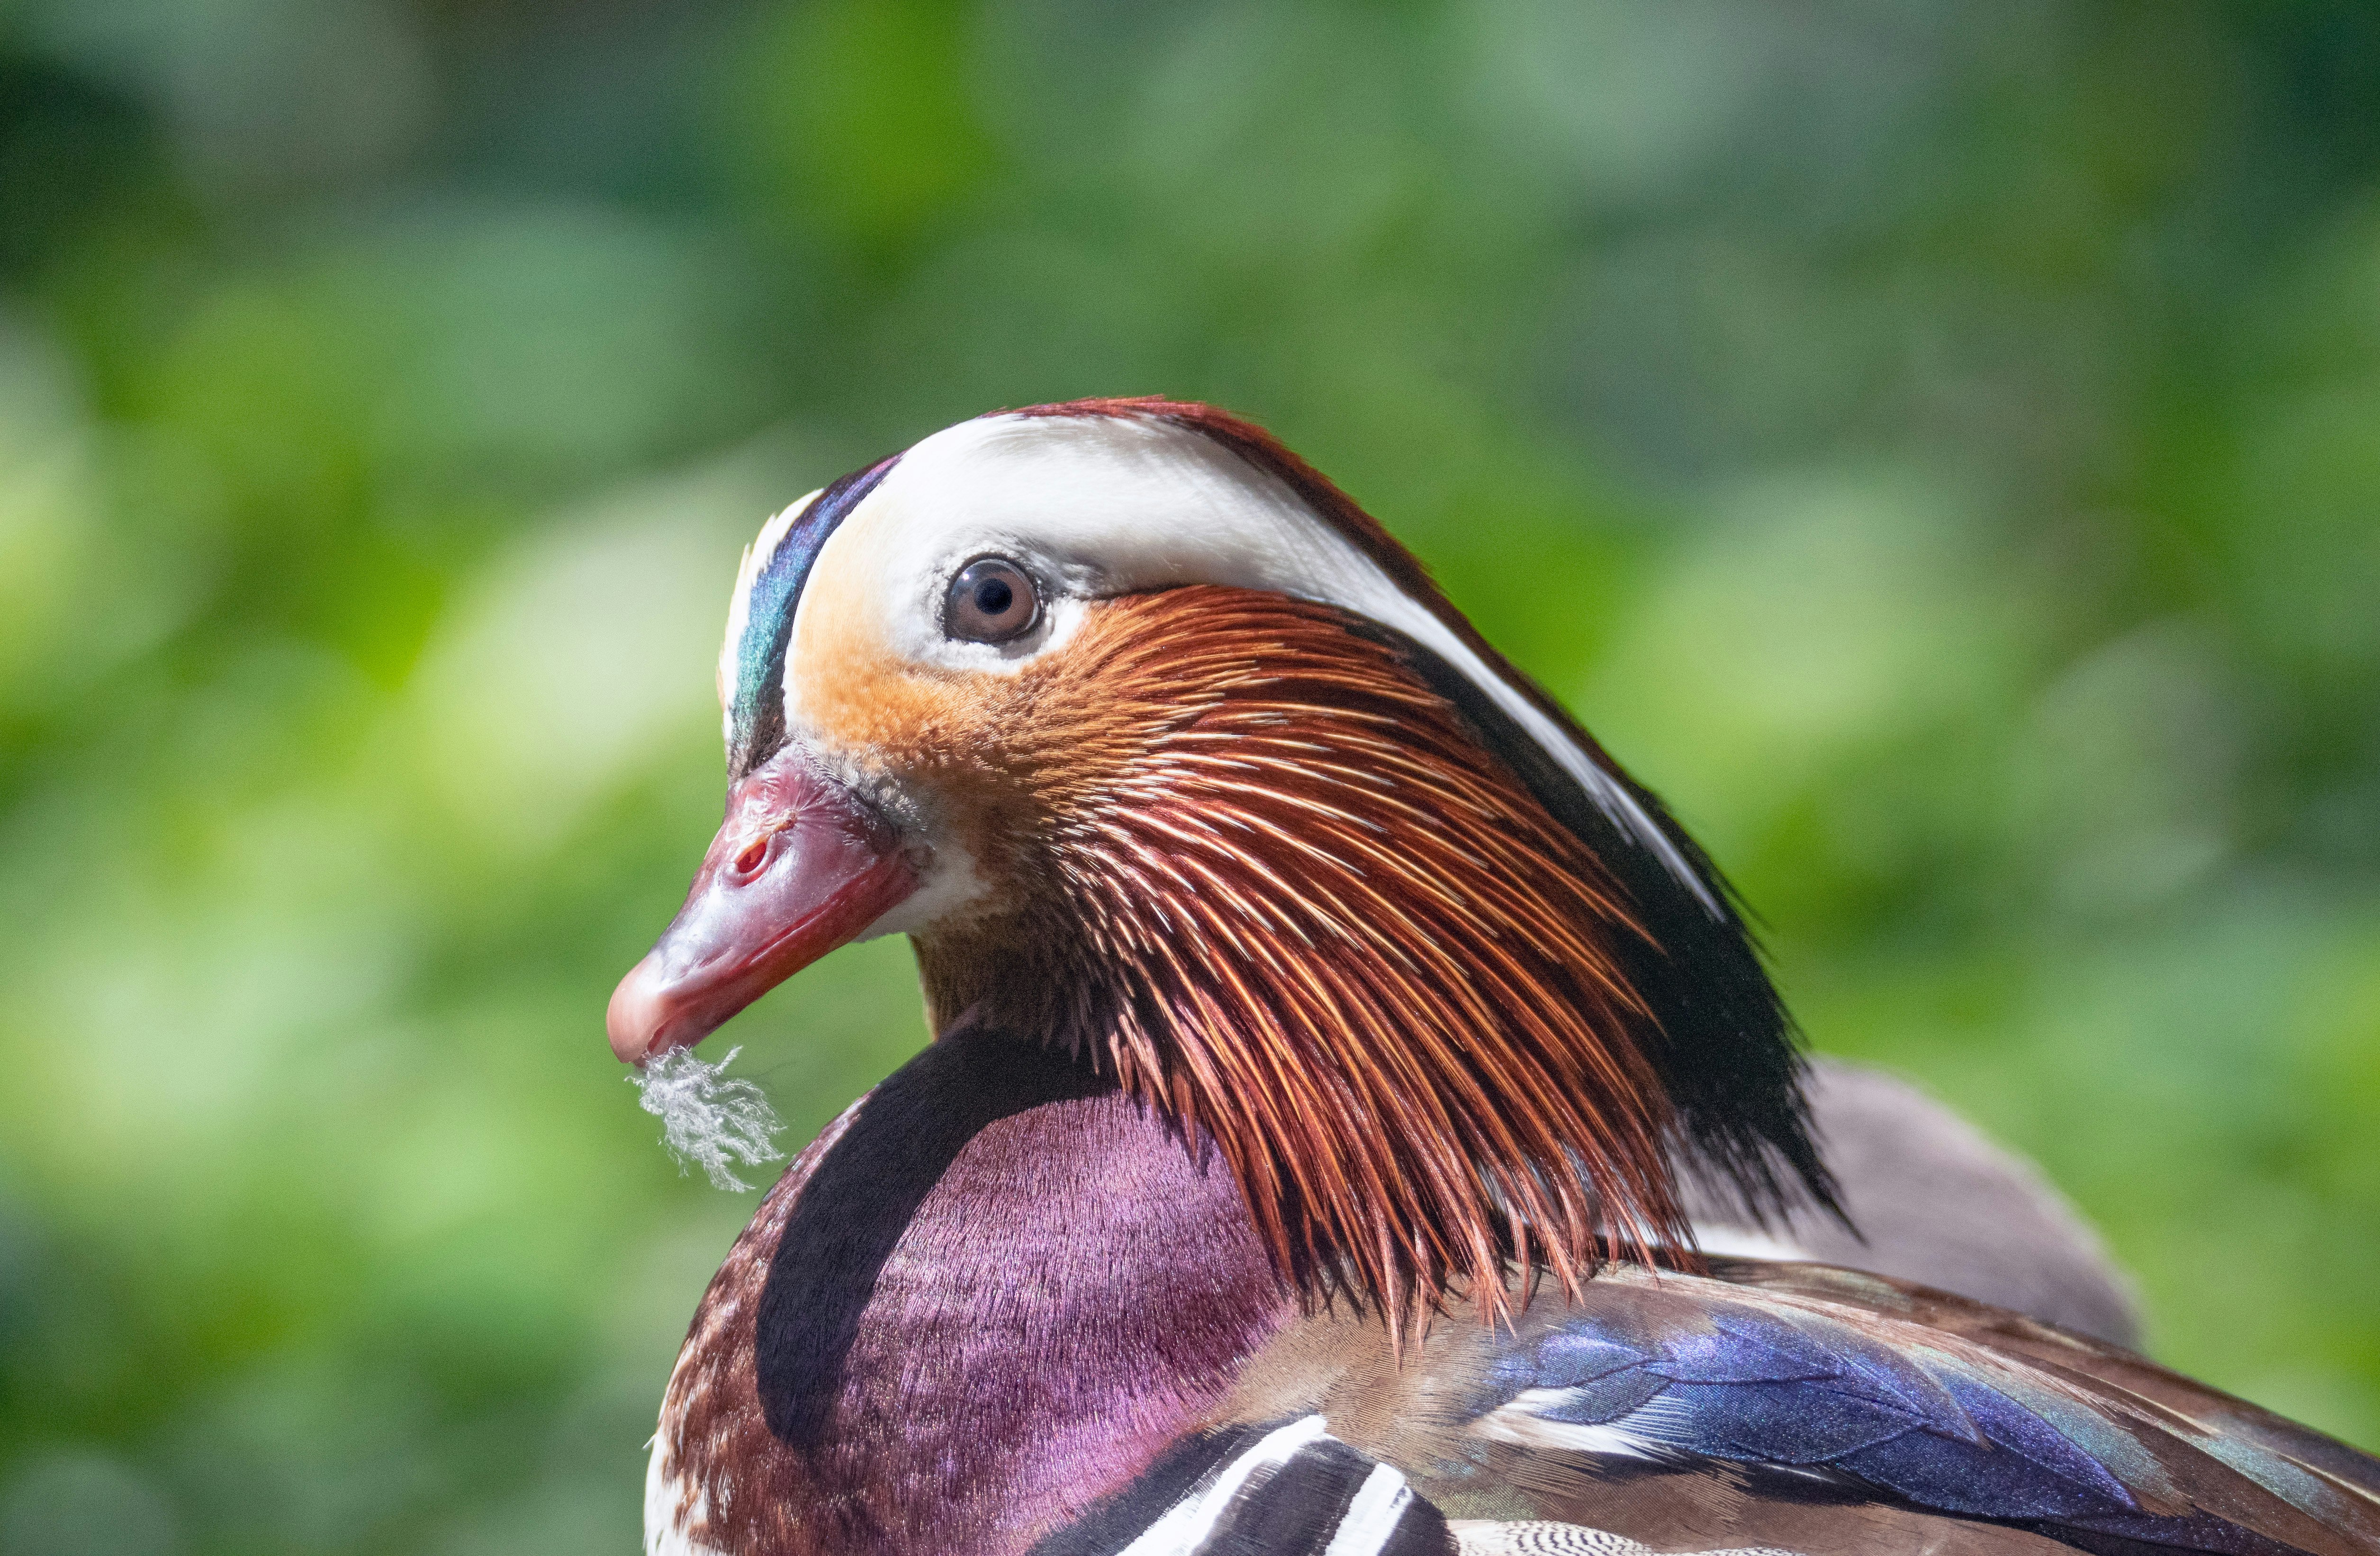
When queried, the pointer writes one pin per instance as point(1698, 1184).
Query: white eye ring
point(991, 601)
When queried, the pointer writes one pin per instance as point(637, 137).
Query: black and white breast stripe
point(1278, 1489)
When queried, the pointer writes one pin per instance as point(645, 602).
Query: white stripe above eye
point(1104, 505)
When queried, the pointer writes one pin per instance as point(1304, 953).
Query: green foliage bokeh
point(1936, 444)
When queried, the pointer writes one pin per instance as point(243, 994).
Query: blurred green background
point(1936, 444)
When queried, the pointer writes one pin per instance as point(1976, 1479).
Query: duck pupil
point(993, 596)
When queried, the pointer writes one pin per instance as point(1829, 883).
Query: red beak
point(801, 866)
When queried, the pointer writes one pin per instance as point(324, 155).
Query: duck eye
point(991, 601)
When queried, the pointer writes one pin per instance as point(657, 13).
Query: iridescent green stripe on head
point(756, 693)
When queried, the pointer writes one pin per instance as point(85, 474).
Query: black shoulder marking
point(1116, 1521)
point(1295, 1506)
point(1277, 1488)
point(1728, 1052)
point(862, 1197)
point(1421, 1531)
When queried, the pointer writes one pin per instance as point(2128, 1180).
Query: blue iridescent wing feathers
point(1677, 1373)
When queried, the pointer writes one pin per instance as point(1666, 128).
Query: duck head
point(1165, 754)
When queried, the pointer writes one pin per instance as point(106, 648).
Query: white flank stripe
point(1188, 1522)
point(1372, 1516)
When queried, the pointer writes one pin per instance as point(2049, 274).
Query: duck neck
point(984, 1298)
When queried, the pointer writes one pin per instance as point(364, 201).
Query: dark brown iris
point(991, 601)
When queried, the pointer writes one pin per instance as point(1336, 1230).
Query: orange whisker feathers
point(1273, 883)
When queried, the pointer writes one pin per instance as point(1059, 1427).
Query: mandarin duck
point(1332, 1049)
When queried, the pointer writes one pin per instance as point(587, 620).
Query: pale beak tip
point(634, 1019)
point(830, 867)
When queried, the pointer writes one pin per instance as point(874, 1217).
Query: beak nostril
point(799, 867)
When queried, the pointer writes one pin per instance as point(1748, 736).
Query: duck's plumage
point(1332, 1043)
point(1927, 1198)
point(1001, 1305)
